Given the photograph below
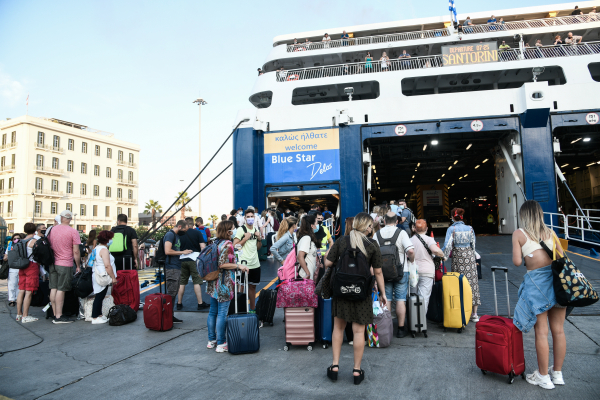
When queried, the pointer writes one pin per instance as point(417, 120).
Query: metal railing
point(131, 164)
point(7, 167)
point(120, 162)
point(42, 215)
point(41, 168)
point(126, 200)
point(392, 37)
point(575, 227)
point(6, 215)
point(8, 146)
point(7, 191)
point(563, 50)
point(529, 24)
point(127, 182)
point(48, 192)
point(49, 148)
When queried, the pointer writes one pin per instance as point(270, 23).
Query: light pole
point(75, 220)
point(33, 214)
point(200, 103)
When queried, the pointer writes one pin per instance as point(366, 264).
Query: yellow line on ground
point(266, 287)
point(148, 288)
point(581, 255)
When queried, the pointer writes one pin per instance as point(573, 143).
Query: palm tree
point(152, 207)
point(184, 199)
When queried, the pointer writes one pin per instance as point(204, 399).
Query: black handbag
point(121, 314)
point(82, 283)
point(4, 270)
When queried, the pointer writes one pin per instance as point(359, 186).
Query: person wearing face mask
point(173, 262)
point(285, 239)
point(239, 217)
point(307, 246)
point(40, 232)
point(104, 262)
point(404, 215)
point(323, 236)
point(13, 274)
point(249, 238)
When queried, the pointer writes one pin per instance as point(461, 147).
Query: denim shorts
point(399, 289)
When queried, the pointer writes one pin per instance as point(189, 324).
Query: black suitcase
point(70, 307)
point(435, 310)
point(82, 283)
point(265, 307)
point(242, 330)
point(41, 297)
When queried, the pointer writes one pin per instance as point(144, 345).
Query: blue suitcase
point(324, 322)
point(242, 329)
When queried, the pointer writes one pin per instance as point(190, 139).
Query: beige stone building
point(48, 165)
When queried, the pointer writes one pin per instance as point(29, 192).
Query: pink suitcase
point(299, 327)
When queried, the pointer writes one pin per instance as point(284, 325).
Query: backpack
point(275, 225)
point(120, 315)
point(17, 256)
point(42, 252)
point(412, 220)
point(352, 278)
point(290, 265)
point(208, 262)
point(160, 255)
point(203, 232)
point(119, 243)
point(391, 267)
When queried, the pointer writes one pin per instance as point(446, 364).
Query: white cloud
point(11, 91)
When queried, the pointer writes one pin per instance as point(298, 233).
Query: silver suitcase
point(417, 321)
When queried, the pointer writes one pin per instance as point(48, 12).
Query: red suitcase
point(299, 327)
point(158, 311)
point(127, 289)
point(498, 342)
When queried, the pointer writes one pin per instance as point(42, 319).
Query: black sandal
point(331, 374)
point(358, 379)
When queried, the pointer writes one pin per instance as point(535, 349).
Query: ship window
point(594, 71)
point(336, 92)
point(262, 99)
point(482, 80)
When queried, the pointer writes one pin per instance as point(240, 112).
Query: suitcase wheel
point(286, 347)
point(483, 372)
point(309, 348)
point(523, 376)
point(459, 331)
point(325, 345)
point(425, 334)
point(412, 334)
point(511, 378)
point(445, 330)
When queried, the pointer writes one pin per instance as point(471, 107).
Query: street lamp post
point(33, 214)
point(200, 103)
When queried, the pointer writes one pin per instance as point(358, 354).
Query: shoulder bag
point(440, 269)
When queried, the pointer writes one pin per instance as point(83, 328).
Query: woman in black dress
point(359, 313)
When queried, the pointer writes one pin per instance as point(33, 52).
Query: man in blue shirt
point(404, 215)
point(173, 262)
point(345, 38)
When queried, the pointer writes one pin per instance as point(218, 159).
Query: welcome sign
point(302, 156)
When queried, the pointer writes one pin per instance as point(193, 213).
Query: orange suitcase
point(299, 327)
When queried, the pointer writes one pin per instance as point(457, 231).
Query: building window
point(109, 153)
point(38, 207)
point(97, 150)
point(130, 176)
point(39, 160)
point(71, 144)
point(11, 183)
point(96, 170)
point(83, 168)
point(69, 187)
point(120, 174)
point(13, 137)
point(130, 194)
point(119, 194)
point(94, 211)
point(40, 138)
point(108, 172)
point(1, 184)
point(69, 166)
point(13, 158)
point(3, 161)
point(84, 147)
point(108, 191)
point(96, 190)
point(83, 190)
point(54, 185)
point(131, 158)
point(54, 163)
point(82, 210)
point(120, 158)
point(1, 207)
point(56, 141)
point(54, 208)
point(11, 227)
point(10, 206)
point(4, 139)
point(119, 210)
point(129, 213)
point(39, 184)
point(70, 207)
point(107, 211)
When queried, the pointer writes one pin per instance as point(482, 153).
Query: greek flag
point(452, 9)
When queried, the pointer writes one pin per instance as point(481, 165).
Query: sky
point(133, 68)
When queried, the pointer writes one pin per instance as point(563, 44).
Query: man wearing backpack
point(405, 217)
point(205, 231)
point(396, 289)
point(173, 250)
point(194, 241)
point(248, 236)
point(124, 247)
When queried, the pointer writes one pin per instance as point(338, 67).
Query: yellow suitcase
point(458, 300)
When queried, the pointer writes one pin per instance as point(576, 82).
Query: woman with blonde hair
point(537, 302)
point(285, 239)
point(359, 313)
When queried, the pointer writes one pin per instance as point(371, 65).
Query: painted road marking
point(581, 255)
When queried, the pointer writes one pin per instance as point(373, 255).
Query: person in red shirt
point(200, 226)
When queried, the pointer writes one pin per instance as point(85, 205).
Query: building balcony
point(4, 192)
point(409, 63)
point(126, 200)
point(5, 169)
point(529, 24)
point(121, 162)
point(47, 147)
point(43, 216)
point(40, 169)
point(48, 193)
point(7, 215)
point(126, 182)
point(8, 146)
point(131, 164)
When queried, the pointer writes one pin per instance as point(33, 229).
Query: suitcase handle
point(235, 286)
point(505, 269)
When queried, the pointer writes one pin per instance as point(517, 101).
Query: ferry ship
point(479, 116)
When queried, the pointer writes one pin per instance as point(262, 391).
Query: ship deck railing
point(529, 53)
point(445, 32)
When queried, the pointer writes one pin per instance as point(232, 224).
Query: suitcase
point(498, 342)
point(479, 275)
point(417, 320)
point(299, 327)
point(242, 329)
point(265, 307)
point(458, 301)
point(324, 322)
point(262, 252)
point(435, 311)
point(127, 288)
point(70, 306)
point(241, 302)
point(41, 296)
point(158, 310)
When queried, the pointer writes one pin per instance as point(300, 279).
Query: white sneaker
point(556, 376)
point(211, 344)
point(222, 348)
point(99, 320)
point(474, 318)
point(542, 381)
point(27, 319)
point(19, 317)
point(351, 343)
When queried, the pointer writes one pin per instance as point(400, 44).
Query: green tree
point(152, 207)
point(184, 199)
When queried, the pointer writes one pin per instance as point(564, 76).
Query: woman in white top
point(104, 263)
point(385, 60)
point(326, 40)
point(307, 246)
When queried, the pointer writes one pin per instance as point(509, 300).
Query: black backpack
point(412, 220)
point(42, 252)
point(160, 256)
point(391, 267)
point(121, 314)
point(17, 256)
point(352, 278)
